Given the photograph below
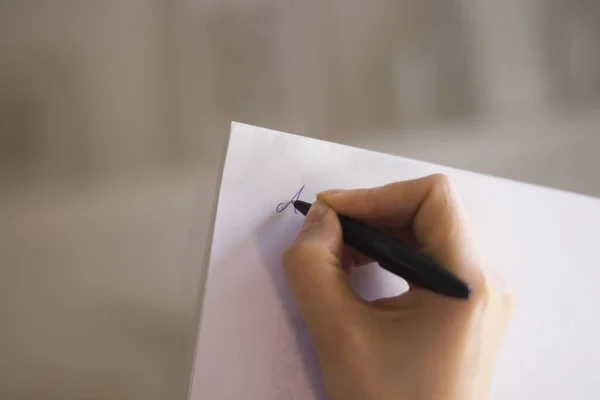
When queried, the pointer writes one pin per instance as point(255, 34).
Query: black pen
point(395, 257)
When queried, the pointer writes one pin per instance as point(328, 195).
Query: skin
point(419, 345)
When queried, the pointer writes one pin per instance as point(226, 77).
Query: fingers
point(429, 206)
point(315, 275)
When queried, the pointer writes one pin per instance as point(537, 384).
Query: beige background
point(114, 115)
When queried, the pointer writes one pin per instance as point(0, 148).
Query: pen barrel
point(400, 260)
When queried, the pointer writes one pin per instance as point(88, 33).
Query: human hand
point(419, 345)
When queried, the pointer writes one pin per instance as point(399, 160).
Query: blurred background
point(114, 116)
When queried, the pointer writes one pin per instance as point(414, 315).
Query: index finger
point(429, 207)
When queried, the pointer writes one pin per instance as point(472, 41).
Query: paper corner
point(234, 126)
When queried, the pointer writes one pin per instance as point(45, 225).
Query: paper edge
point(200, 297)
point(429, 163)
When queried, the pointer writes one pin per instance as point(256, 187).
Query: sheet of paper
point(252, 343)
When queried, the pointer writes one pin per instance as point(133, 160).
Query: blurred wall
point(88, 81)
point(102, 87)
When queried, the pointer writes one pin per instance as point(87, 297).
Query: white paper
point(252, 343)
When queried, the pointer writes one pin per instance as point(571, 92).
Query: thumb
point(314, 272)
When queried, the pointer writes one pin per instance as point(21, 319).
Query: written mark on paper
point(282, 206)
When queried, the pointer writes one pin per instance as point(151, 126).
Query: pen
point(397, 258)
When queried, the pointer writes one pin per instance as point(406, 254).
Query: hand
point(419, 345)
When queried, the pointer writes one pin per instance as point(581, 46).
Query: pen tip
point(301, 206)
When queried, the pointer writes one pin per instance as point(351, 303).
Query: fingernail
point(317, 211)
